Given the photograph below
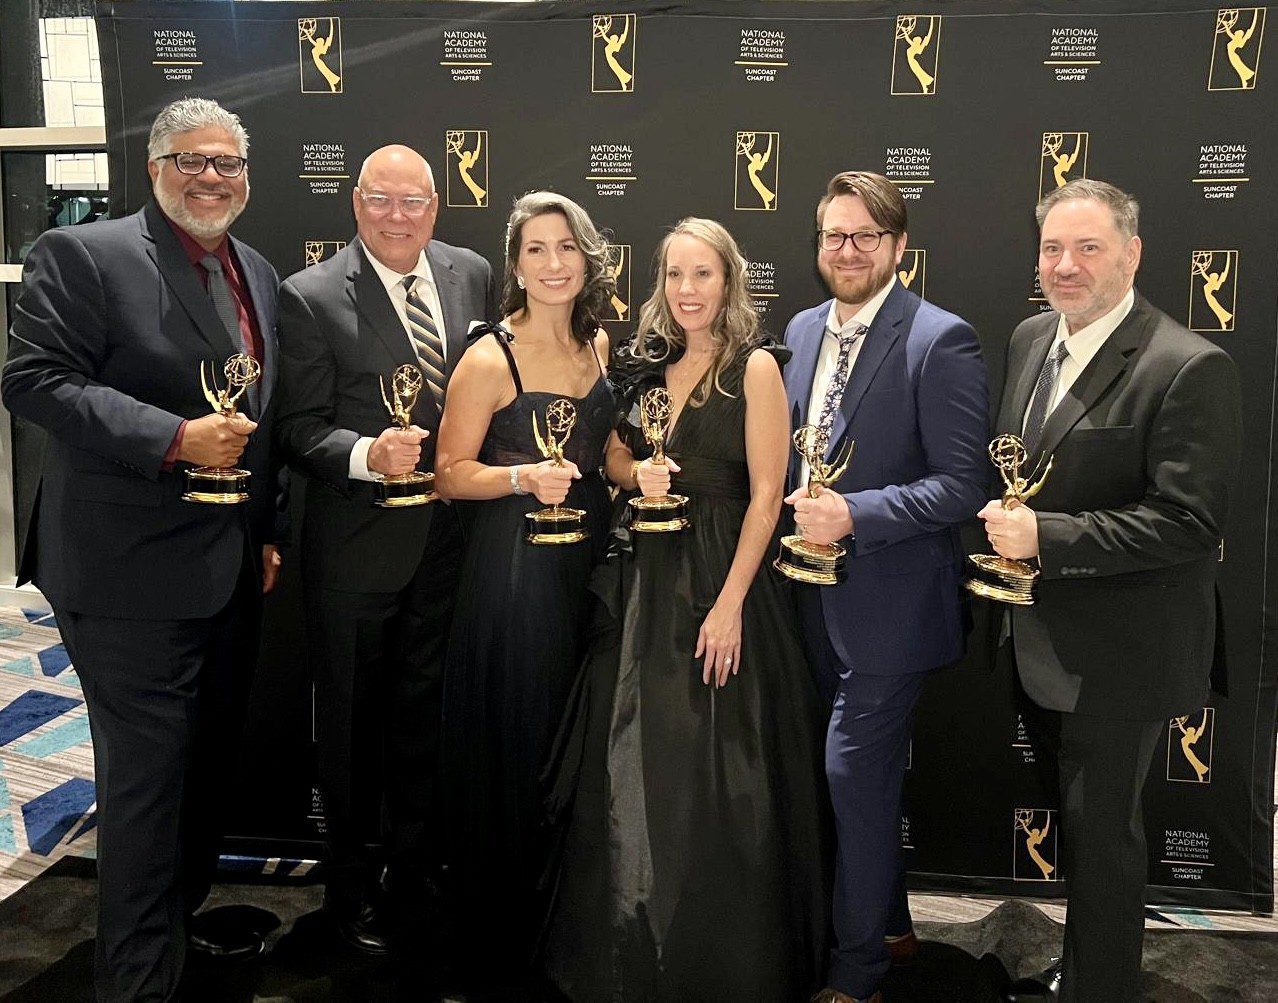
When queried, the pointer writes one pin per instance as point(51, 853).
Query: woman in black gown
point(515, 645)
point(694, 864)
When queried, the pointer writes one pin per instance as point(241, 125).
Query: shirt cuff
point(358, 469)
point(175, 447)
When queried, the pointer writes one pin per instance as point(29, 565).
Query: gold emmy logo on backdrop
point(316, 251)
point(612, 53)
point(800, 559)
point(619, 267)
point(1189, 747)
point(1034, 845)
point(912, 271)
point(414, 487)
point(1213, 290)
point(223, 485)
point(658, 513)
point(467, 167)
point(1062, 158)
point(915, 54)
point(556, 524)
point(1000, 578)
point(758, 166)
point(1235, 49)
point(319, 54)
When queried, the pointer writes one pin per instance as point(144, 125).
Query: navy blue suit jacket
point(917, 407)
point(105, 350)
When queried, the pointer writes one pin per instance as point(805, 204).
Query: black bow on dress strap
point(478, 330)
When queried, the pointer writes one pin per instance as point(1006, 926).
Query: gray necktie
point(1038, 412)
point(224, 303)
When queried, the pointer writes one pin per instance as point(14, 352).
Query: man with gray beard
point(158, 599)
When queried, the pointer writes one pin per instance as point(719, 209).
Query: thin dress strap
point(595, 353)
point(510, 359)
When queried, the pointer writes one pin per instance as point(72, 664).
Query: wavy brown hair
point(599, 283)
point(734, 331)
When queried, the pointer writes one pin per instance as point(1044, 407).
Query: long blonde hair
point(734, 331)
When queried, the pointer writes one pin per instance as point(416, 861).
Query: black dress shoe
point(360, 926)
point(1045, 987)
point(213, 940)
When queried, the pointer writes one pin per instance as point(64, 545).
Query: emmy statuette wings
point(658, 513)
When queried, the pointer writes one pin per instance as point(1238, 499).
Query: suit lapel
point(1106, 366)
point(257, 279)
point(179, 274)
point(1012, 413)
point(799, 374)
point(883, 334)
point(365, 288)
point(453, 324)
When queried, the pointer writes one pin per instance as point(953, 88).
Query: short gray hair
point(1123, 207)
point(189, 114)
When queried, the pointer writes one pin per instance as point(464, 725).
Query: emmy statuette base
point(1001, 579)
point(217, 486)
point(659, 514)
point(811, 563)
point(405, 490)
point(556, 525)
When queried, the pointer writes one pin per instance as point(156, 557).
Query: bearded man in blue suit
point(905, 381)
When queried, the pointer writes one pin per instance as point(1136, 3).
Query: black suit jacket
point(339, 333)
point(105, 350)
point(1145, 446)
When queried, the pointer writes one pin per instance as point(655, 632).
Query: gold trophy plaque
point(659, 513)
point(223, 485)
point(414, 487)
point(556, 524)
point(800, 559)
point(1001, 578)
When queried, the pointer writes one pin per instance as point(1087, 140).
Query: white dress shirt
point(1080, 348)
point(394, 283)
point(828, 356)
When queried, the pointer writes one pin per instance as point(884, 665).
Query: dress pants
point(867, 746)
point(166, 701)
point(378, 660)
point(1099, 766)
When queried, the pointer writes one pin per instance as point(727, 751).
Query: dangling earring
point(519, 281)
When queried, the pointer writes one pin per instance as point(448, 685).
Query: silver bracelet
point(514, 482)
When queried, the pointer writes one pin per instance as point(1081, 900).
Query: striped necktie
point(1043, 386)
point(424, 334)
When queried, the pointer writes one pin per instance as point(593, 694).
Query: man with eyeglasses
point(158, 600)
point(904, 380)
point(378, 583)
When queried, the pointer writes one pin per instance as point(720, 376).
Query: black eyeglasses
point(865, 241)
point(196, 163)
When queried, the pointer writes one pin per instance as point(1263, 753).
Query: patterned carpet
point(47, 798)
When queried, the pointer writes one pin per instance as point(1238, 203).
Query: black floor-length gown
point(694, 865)
point(514, 651)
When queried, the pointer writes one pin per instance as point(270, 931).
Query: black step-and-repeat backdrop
point(649, 112)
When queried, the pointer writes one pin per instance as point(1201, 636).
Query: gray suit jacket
point(338, 334)
point(1145, 445)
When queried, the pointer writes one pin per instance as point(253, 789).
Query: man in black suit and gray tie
point(1142, 421)
point(378, 582)
point(158, 599)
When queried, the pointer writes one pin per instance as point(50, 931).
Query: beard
point(855, 290)
point(204, 227)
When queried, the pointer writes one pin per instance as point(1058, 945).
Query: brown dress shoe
point(903, 950)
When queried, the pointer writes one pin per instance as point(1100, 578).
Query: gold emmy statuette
point(660, 513)
point(800, 559)
point(223, 485)
point(414, 487)
point(1000, 578)
point(556, 524)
